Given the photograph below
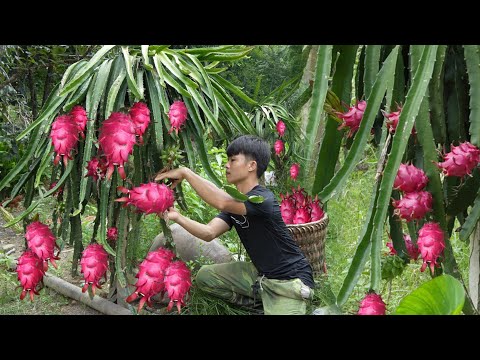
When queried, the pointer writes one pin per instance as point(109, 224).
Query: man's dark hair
point(252, 147)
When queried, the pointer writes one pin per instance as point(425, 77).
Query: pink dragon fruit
point(151, 276)
point(42, 242)
point(299, 195)
point(392, 249)
point(410, 179)
point(461, 160)
point(64, 136)
point(412, 249)
point(177, 283)
point(413, 205)
point(278, 147)
point(30, 272)
point(317, 212)
point(281, 128)
point(151, 198)
point(431, 244)
point(352, 117)
point(94, 264)
point(79, 115)
point(94, 169)
point(140, 115)
point(117, 138)
point(302, 214)
point(177, 115)
point(294, 170)
point(372, 304)
point(112, 233)
point(59, 191)
point(287, 208)
point(392, 119)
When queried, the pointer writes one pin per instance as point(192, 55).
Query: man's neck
point(247, 185)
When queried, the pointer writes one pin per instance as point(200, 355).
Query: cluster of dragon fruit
point(416, 203)
point(117, 136)
point(299, 207)
point(279, 148)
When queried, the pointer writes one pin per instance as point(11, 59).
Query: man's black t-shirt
point(267, 240)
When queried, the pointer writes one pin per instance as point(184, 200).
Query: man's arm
point(213, 229)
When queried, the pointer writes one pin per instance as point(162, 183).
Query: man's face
point(237, 168)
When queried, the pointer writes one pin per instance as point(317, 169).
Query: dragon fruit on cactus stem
point(392, 119)
point(278, 147)
point(79, 115)
point(117, 138)
point(281, 128)
point(412, 249)
point(372, 304)
point(140, 115)
point(64, 136)
point(93, 168)
point(410, 178)
point(461, 160)
point(177, 115)
point(150, 198)
point(294, 170)
point(177, 283)
point(431, 244)
point(42, 242)
point(352, 117)
point(94, 264)
point(413, 205)
point(30, 272)
point(151, 276)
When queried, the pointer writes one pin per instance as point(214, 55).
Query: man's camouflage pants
point(234, 282)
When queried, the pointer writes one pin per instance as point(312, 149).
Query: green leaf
point(233, 192)
point(202, 153)
point(256, 199)
point(372, 59)
point(472, 220)
point(113, 92)
point(132, 85)
point(472, 59)
point(85, 72)
point(176, 71)
point(229, 86)
point(78, 95)
point(443, 295)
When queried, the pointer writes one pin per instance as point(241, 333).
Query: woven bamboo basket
point(311, 239)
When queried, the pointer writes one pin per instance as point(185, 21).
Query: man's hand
point(171, 214)
point(176, 175)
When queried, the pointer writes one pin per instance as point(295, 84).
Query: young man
point(279, 273)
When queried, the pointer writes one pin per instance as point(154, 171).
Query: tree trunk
point(474, 278)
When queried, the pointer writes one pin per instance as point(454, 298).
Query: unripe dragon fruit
point(410, 178)
point(112, 233)
point(413, 205)
point(42, 242)
point(352, 117)
point(372, 304)
point(117, 138)
point(287, 208)
point(278, 147)
point(316, 212)
point(302, 214)
point(151, 276)
point(431, 244)
point(64, 136)
point(294, 170)
point(461, 160)
point(177, 115)
point(30, 272)
point(281, 128)
point(94, 264)
point(151, 198)
point(79, 115)
point(140, 115)
point(177, 283)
